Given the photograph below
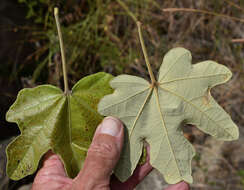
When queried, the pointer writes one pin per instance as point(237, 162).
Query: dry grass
point(209, 29)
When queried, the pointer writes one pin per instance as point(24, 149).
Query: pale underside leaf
point(155, 114)
point(49, 119)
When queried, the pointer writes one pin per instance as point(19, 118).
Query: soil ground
point(217, 34)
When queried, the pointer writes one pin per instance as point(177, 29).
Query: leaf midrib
point(167, 135)
point(163, 123)
point(83, 104)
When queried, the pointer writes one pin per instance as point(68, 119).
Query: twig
point(202, 11)
point(238, 40)
point(124, 6)
point(234, 5)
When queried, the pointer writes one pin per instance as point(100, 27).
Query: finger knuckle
point(104, 150)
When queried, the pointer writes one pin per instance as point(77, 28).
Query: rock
point(25, 187)
point(154, 181)
point(234, 152)
point(217, 166)
point(3, 161)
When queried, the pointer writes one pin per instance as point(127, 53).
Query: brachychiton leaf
point(49, 119)
point(156, 112)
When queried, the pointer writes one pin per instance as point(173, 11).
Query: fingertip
point(119, 122)
point(143, 170)
point(138, 175)
point(113, 127)
point(51, 158)
point(110, 126)
point(179, 186)
point(48, 154)
point(51, 165)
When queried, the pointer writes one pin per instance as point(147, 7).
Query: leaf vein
point(189, 78)
point(188, 102)
point(140, 111)
point(127, 98)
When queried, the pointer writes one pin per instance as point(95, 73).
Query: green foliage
point(107, 28)
point(90, 41)
point(197, 157)
point(155, 113)
point(241, 174)
point(49, 119)
point(40, 11)
point(143, 157)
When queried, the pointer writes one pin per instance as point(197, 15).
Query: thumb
point(102, 156)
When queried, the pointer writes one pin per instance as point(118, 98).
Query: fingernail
point(110, 126)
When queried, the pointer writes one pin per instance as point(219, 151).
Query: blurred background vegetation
point(101, 35)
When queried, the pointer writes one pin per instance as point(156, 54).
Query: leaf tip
point(235, 134)
point(228, 75)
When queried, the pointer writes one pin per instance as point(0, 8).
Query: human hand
point(101, 159)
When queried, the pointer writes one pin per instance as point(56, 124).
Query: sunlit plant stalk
point(66, 86)
point(153, 80)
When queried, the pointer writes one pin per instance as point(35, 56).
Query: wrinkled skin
point(102, 157)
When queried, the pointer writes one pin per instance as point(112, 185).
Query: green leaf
point(49, 119)
point(241, 173)
point(156, 112)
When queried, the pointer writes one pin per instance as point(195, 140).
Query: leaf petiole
point(66, 86)
point(145, 54)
